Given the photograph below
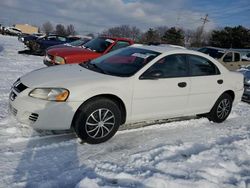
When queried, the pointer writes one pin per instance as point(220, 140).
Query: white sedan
point(133, 84)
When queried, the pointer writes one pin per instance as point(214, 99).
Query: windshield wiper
point(92, 66)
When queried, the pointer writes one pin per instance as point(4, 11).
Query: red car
point(90, 50)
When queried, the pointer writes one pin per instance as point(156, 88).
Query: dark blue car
point(246, 72)
point(26, 38)
point(75, 43)
point(41, 44)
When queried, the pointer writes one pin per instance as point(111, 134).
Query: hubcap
point(100, 123)
point(223, 108)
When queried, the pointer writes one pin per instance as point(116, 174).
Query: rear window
point(99, 44)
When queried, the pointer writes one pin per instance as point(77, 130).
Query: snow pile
point(190, 153)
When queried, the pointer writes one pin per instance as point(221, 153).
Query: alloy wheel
point(100, 123)
point(223, 108)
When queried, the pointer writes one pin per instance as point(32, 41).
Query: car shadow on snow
point(29, 52)
point(54, 161)
point(45, 160)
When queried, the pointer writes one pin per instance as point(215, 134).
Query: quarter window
point(200, 66)
point(236, 57)
point(170, 66)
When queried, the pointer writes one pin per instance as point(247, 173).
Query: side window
point(170, 66)
point(120, 44)
point(236, 56)
point(200, 66)
point(228, 57)
point(62, 39)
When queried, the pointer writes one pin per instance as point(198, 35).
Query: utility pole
point(200, 32)
point(178, 19)
point(205, 20)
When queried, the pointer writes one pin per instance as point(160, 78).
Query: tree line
point(227, 37)
point(59, 29)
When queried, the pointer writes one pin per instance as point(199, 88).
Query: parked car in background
point(28, 37)
point(229, 58)
point(90, 50)
point(42, 43)
point(128, 85)
point(12, 31)
point(75, 43)
point(246, 57)
point(246, 72)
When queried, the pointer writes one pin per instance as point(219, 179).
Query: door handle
point(182, 84)
point(220, 81)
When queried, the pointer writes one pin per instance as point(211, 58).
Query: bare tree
point(47, 28)
point(197, 38)
point(60, 30)
point(71, 30)
point(161, 30)
point(123, 31)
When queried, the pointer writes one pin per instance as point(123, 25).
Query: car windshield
point(215, 53)
point(78, 42)
point(124, 62)
point(99, 44)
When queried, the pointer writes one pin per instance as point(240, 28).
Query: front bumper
point(42, 114)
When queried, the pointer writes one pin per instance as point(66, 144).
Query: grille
point(19, 87)
point(33, 117)
point(12, 110)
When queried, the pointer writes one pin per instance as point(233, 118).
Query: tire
point(97, 121)
point(35, 47)
point(221, 109)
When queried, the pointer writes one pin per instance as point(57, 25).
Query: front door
point(162, 91)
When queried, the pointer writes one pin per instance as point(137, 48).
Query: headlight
point(59, 60)
point(50, 94)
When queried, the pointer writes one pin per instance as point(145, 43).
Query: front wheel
point(221, 109)
point(97, 121)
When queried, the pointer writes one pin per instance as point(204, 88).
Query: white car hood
point(62, 76)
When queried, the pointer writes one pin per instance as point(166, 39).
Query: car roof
point(159, 48)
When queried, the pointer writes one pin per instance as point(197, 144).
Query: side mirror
point(151, 75)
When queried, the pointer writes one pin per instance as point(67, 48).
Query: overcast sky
point(96, 15)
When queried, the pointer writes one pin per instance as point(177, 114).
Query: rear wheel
point(97, 121)
point(221, 109)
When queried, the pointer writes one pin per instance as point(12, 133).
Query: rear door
point(206, 84)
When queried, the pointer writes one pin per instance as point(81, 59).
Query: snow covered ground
point(189, 153)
